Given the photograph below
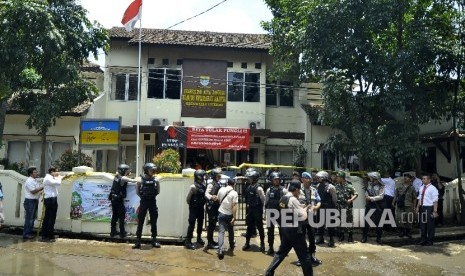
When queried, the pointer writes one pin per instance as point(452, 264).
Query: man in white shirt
point(389, 188)
point(32, 191)
point(228, 199)
point(427, 208)
point(417, 183)
point(51, 183)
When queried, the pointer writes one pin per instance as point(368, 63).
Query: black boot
point(331, 242)
point(155, 243)
point(262, 246)
point(136, 245)
point(246, 245)
point(408, 233)
point(188, 244)
point(364, 238)
point(200, 241)
point(341, 236)
point(349, 238)
point(401, 232)
point(274, 264)
point(270, 250)
point(320, 240)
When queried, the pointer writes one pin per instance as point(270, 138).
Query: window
point(164, 83)
point(279, 94)
point(124, 87)
point(243, 87)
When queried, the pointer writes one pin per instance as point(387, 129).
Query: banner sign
point(204, 88)
point(218, 138)
point(172, 136)
point(89, 201)
point(100, 132)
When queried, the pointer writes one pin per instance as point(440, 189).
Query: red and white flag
point(132, 14)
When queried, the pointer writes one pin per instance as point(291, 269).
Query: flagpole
point(138, 100)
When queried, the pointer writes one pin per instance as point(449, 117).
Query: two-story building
point(202, 79)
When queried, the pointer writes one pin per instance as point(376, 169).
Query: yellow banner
point(99, 138)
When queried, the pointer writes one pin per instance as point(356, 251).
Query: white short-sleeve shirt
point(227, 203)
point(430, 195)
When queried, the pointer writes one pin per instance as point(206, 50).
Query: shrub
point(168, 161)
point(69, 159)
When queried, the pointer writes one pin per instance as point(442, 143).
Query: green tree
point(43, 43)
point(372, 57)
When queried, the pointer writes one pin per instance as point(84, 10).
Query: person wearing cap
point(213, 205)
point(346, 195)
point(292, 234)
point(374, 195)
point(328, 196)
point(405, 199)
point(309, 197)
point(228, 199)
point(272, 197)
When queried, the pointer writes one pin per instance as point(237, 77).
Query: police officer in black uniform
point(292, 234)
point(148, 189)
point(117, 196)
point(327, 192)
point(196, 200)
point(213, 204)
point(254, 198)
point(272, 197)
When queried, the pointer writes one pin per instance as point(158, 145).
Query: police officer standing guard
point(328, 196)
point(272, 197)
point(292, 235)
point(254, 198)
point(374, 195)
point(117, 196)
point(148, 189)
point(196, 200)
point(213, 204)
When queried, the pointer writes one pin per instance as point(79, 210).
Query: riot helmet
point(252, 174)
point(216, 172)
point(123, 169)
point(149, 168)
point(199, 176)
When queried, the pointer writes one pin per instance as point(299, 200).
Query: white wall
point(172, 207)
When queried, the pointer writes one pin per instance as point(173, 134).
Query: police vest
point(198, 198)
point(274, 197)
point(215, 188)
point(284, 205)
point(148, 189)
point(117, 191)
point(251, 196)
point(325, 196)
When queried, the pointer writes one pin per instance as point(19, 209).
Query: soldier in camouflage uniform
point(346, 195)
point(405, 200)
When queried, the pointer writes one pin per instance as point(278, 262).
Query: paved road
point(90, 257)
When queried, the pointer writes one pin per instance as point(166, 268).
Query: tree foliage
point(387, 67)
point(43, 43)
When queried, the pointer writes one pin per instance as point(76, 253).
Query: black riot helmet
point(215, 172)
point(275, 175)
point(123, 169)
point(199, 176)
point(252, 174)
point(149, 167)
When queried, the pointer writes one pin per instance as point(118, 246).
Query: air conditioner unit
point(255, 125)
point(159, 121)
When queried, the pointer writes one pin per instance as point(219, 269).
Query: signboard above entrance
point(204, 137)
point(218, 138)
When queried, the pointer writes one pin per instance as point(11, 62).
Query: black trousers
point(388, 205)
point(321, 230)
point(427, 225)
point(440, 219)
point(308, 230)
point(149, 205)
point(254, 219)
point(118, 215)
point(212, 212)
point(195, 214)
point(375, 218)
point(48, 225)
point(292, 238)
point(270, 233)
